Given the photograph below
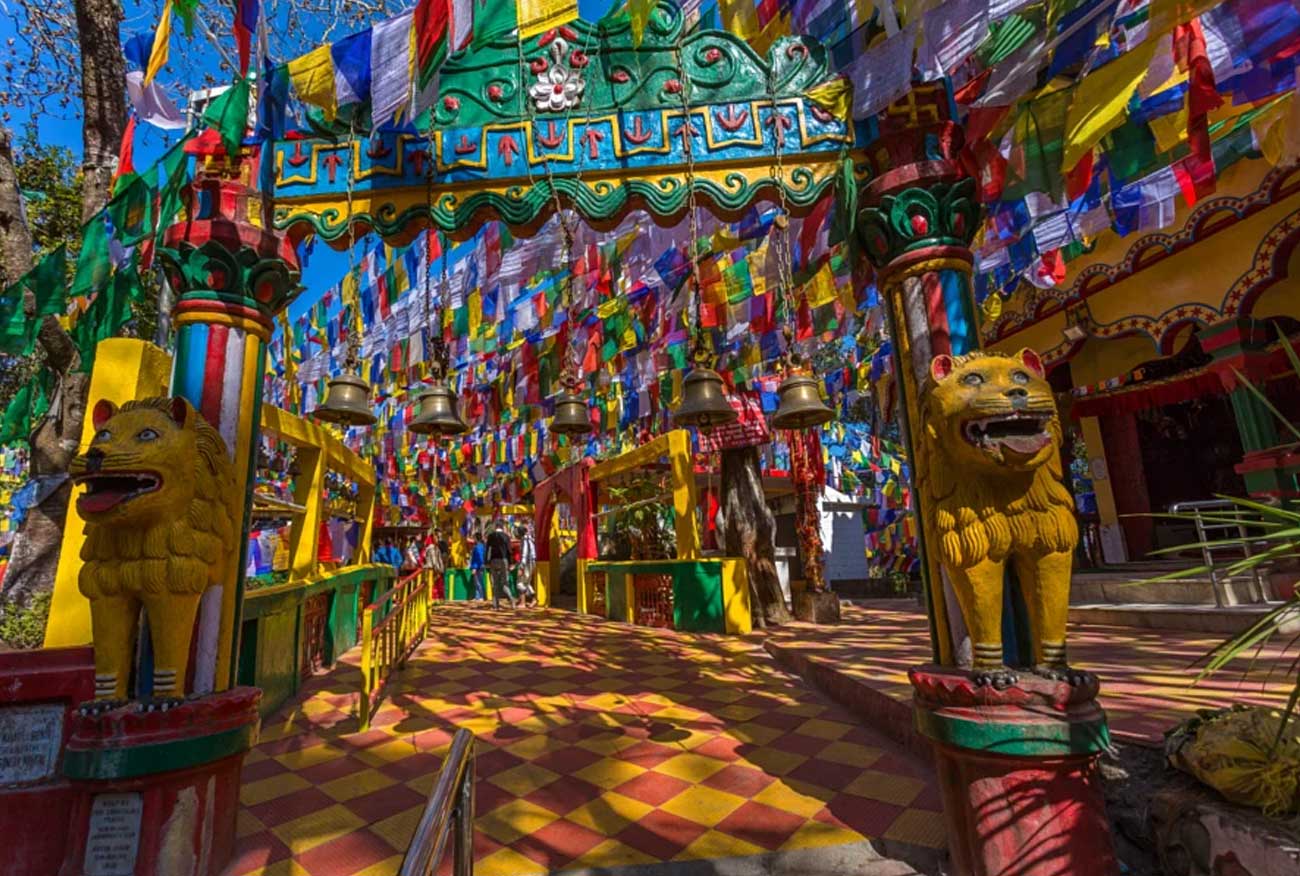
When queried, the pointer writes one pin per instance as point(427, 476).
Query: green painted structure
point(271, 642)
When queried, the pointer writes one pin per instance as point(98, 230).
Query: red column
point(1119, 434)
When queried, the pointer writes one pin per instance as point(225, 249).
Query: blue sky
point(190, 59)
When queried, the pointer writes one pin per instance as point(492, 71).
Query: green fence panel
point(697, 598)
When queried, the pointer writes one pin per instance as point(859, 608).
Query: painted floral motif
point(559, 86)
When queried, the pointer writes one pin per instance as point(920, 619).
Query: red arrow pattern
point(592, 138)
point(332, 162)
point(508, 149)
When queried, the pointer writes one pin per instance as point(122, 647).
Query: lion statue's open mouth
point(106, 491)
point(1021, 433)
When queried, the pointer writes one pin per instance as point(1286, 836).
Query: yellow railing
point(391, 628)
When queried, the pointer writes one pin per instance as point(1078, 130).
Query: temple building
point(1148, 338)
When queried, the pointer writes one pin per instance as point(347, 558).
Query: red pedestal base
point(38, 691)
point(1018, 773)
point(156, 793)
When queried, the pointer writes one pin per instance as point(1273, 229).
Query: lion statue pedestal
point(153, 769)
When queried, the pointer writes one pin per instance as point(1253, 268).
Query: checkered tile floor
point(599, 745)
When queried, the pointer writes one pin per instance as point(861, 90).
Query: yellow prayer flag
point(1170, 130)
point(475, 305)
point(739, 17)
point(1100, 101)
point(821, 288)
point(312, 76)
point(161, 44)
point(539, 16)
point(834, 96)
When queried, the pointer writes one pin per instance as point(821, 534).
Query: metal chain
point(353, 360)
point(572, 363)
point(701, 343)
point(781, 225)
point(437, 347)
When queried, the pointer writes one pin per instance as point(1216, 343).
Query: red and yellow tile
point(598, 745)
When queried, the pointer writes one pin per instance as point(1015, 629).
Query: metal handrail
point(1240, 522)
point(450, 809)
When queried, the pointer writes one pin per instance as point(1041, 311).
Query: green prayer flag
point(131, 210)
point(494, 20)
point(1040, 131)
point(175, 164)
point(1131, 150)
point(46, 283)
point(93, 264)
point(228, 115)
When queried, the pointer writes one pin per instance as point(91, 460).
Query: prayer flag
point(351, 57)
point(390, 65)
point(245, 24)
point(161, 44)
point(312, 76)
point(151, 104)
point(1100, 101)
point(228, 114)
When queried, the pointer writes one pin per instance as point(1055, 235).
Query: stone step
point(1118, 588)
point(867, 858)
point(1226, 621)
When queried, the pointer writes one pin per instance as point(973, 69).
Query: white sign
point(114, 838)
point(29, 742)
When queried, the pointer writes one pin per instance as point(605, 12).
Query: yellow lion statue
point(158, 505)
point(990, 476)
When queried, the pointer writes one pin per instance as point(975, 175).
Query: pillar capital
point(221, 256)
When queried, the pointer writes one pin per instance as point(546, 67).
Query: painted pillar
point(1017, 765)
point(1271, 464)
point(1113, 549)
point(231, 276)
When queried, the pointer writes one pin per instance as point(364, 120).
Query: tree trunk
point(15, 236)
point(749, 531)
point(35, 556)
point(103, 98)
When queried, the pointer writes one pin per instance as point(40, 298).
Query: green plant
point(23, 626)
point(1273, 537)
point(646, 523)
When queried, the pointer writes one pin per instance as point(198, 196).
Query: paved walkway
point(599, 745)
point(1146, 675)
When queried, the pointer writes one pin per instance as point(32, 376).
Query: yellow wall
point(125, 369)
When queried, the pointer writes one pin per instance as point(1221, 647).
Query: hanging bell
point(704, 401)
point(571, 414)
point(437, 413)
point(347, 402)
point(801, 405)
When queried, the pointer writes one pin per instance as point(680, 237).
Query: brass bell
point(347, 402)
point(704, 402)
point(437, 413)
point(801, 405)
point(571, 414)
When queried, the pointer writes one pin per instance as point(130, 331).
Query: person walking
point(477, 563)
point(527, 563)
point(498, 558)
point(435, 565)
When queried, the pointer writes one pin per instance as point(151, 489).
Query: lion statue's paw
point(1001, 677)
point(1068, 674)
